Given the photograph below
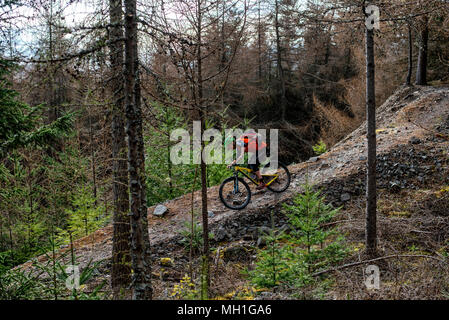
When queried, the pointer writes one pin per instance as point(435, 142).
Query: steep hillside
point(413, 210)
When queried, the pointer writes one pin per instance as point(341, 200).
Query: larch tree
point(371, 192)
point(197, 85)
point(121, 259)
point(408, 80)
point(421, 68)
point(140, 242)
point(279, 59)
point(205, 281)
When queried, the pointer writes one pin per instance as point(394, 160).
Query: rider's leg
point(256, 168)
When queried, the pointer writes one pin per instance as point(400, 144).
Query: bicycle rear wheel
point(235, 193)
point(282, 182)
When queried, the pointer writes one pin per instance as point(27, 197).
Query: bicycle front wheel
point(279, 173)
point(235, 193)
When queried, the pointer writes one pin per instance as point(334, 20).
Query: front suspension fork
point(236, 183)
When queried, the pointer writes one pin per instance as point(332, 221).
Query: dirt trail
point(427, 107)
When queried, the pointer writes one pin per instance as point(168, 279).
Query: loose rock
point(160, 210)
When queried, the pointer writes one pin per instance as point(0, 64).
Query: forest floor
point(413, 213)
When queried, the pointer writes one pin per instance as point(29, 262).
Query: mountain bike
point(235, 192)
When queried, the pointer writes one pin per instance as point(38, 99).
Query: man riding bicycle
point(251, 143)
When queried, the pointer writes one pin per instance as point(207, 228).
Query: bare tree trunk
point(410, 55)
point(279, 61)
point(92, 160)
point(1, 235)
point(222, 36)
point(205, 259)
point(11, 242)
point(169, 164)
point(421, 71)
point(328, 42)
point(140, 249)
point(205, 279)
point(259, 43)
point(192, 224)
point(51, 89)
point(121, 259)
point(30, 213)
point(53, 256)
point(371, 198)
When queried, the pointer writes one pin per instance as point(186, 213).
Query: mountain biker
point(252, 143)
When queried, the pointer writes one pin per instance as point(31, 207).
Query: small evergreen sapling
point(272, 265)
point(318, 247)
point(291, 259)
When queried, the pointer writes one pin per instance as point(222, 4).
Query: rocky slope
point(413, 126)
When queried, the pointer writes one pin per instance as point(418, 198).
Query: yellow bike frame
point(246, 171)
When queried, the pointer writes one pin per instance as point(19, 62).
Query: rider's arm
point(236, 160)
point(240, 157)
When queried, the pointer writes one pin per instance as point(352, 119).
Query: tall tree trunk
point(31, 212)
point(279, 61)
point(11, 242)
point(328, 41)
point(205, 279)
point(222, 36)
point(2, 246)
point(92, 160)
point(140, 246)
point(206, 258)
point(121, 259)
point(53, 261)
point(421, 71)
point(259, 43)
point(371, 198)
point(51, 89)
point(169, 124)
point(169, 164)
point(408, 81)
